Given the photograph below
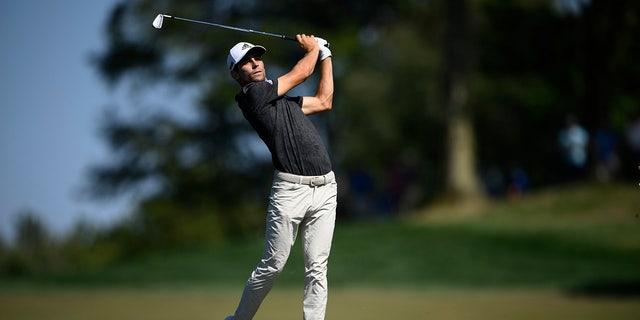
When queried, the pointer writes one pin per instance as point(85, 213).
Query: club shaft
point(233, 28)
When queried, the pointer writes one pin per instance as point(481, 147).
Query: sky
point(50, 104)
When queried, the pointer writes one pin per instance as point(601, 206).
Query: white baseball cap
point(240, 50)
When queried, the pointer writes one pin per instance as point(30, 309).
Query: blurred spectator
point(404, 185)
point(518, 183)
point(633, 136)
point(494, 182)
point(606, 154)
point(360, 194)
point(573, 140)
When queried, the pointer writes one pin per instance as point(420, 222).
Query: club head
point(157, 22)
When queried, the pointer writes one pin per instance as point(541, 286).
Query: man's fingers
point(307, 42)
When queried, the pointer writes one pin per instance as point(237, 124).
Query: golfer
point(304, 191)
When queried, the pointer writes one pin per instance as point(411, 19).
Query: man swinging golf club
point(304, 191)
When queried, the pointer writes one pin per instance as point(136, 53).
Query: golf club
point(157, 23)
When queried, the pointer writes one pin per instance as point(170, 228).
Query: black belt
point(314, 181)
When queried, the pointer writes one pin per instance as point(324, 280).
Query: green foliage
point(199, 181)
point(34, 252)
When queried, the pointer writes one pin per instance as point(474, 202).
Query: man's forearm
point(325, 85)
point(299, 73)
point(307, 64)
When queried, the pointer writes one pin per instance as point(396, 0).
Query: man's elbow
point(327, 103)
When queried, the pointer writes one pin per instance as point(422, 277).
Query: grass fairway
point(566, 253)
point(351, 304)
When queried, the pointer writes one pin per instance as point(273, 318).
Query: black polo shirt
point(295, 144)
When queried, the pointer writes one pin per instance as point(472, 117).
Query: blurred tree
point(34, 250)
point(429, 94)
point(4, 253)
point(609, 33)
point(461, 177)
point(187, 173)
point(202, 180)
point(31, 235)
point(535, 65)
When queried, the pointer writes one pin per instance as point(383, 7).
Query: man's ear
point(234, 74)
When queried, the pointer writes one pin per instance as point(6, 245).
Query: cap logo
point(245, 46)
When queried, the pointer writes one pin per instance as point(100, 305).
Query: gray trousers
point(308, 205)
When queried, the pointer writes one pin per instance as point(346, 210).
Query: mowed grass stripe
point(353, 304)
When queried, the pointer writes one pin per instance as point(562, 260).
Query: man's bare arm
point(304, 68)
point(323, 99)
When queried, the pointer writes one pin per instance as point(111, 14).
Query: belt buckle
point(320, 181)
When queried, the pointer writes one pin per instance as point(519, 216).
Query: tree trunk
point(461, 179)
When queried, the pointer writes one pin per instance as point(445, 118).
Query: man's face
point(249, 69)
